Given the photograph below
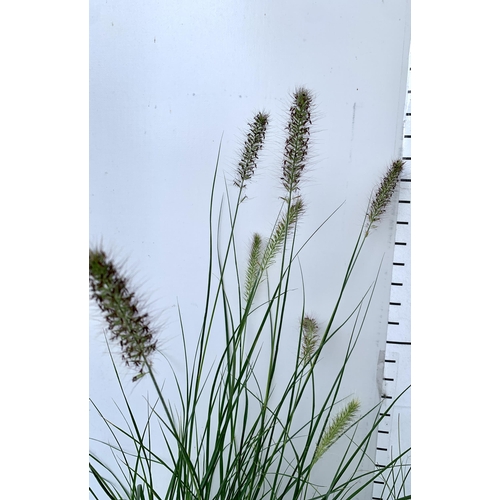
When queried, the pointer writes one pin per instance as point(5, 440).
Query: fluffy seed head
point(297, 142)
point(309, 337)
point(383, 194)
point(253, 273)
point(283, 229)
point(128, 326)
point(336, 429)
point(253, 144)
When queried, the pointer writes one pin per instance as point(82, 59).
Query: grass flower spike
point(297, 143)
point(260, 260)
point(336, 429)
point(253, 144)
point(254, 265)
point(309, 338)
point(283, 229)
point(384, 194)
point(128, 327)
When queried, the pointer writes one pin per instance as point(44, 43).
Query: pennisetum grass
point(309, 337)
point(128, 325)
point(383, 194)
point(233, 436)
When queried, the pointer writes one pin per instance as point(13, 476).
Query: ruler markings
point(396, 375)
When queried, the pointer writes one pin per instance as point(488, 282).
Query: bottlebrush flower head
point(384, 194)
point(337, 427)
point(253, 145)
point(128, 326)
point(297, 142)
point(309, 338)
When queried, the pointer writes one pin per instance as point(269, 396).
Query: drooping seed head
point(338, 426)
point(383, 195)
point(283, 229)
point(128, 326)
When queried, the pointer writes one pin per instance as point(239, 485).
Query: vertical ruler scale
point(394, 430)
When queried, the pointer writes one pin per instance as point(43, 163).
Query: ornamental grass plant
point(234, 432)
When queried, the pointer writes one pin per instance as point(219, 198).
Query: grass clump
point(238, 433)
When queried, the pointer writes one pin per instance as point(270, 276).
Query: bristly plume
point(262, 259)
point(253, 144)
point(297, 142)
point(253, 270)
point(282, 230)
point(309, 338)
point(128, 327)
point(384, 194)
point(336, 429)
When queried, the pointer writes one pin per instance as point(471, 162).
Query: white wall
point(167, 79)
